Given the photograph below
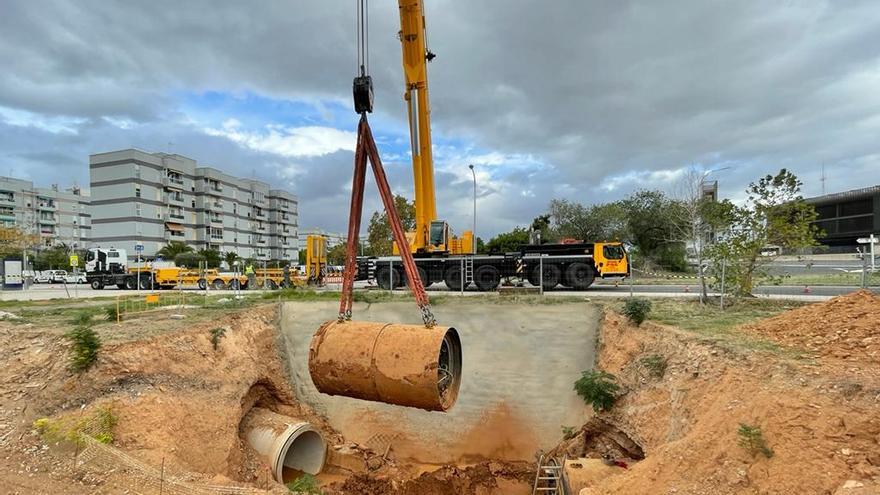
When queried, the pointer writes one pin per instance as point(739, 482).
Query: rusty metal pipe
point(406, 365)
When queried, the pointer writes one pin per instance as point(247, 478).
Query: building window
point(137, 210)
point(137, 191)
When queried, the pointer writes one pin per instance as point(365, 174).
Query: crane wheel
point(270, 284)
point(487, 278)
point(423, 274)
point(203, 284)
point(218, 284)
point(453, 278)
point(235, 284)
point(551, 273)
point(383, 277)
point(146, 282)
point(131, 283)
point(579, 275)
point(97, 284)
point(120, 286)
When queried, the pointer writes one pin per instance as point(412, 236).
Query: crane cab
point(439, 240)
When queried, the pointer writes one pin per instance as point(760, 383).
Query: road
point(684, 289)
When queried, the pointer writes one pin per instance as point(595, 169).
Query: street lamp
point(474, 230)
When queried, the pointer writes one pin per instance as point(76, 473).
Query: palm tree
point(172, 249)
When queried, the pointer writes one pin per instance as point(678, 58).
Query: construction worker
point(286, 282)
point(251, 276)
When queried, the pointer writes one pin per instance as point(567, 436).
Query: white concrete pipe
point(290, 446)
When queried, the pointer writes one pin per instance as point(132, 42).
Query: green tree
point(603, 222)
point(211, 256)
point(336, 255)
point(508, 241)
point(188, 260)
point(54, 258)
point(172, 249)
point(774, 215)
point(541, 225)
point(653, 222)
point(379, 233)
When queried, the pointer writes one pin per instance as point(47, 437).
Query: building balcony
point(175, 235)
point(215, 219)
point(48, 220)
point(172, 183)
point(7, 216)
point(7, 199)
point(174, 217)
point(261, 241)
point(46, 206)
point(175, 199)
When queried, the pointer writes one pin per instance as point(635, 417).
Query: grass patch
point(217, 334)
point(97, 425)
point(655, 364)
point(568, 432)
point(717, 326)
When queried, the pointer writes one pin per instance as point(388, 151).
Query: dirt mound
point(486, 478)
point(846, 327)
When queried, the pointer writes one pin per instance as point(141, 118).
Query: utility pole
point(474, 230)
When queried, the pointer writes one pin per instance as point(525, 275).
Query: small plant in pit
point(305, 484)
point(636, 310)
point(217, 334)
point(655, 364)
point(85, 343)
point(752, 439)
point(568, 432)
point(597, 388)
point(112, 312)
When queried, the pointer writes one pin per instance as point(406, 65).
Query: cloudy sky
point(584, 100)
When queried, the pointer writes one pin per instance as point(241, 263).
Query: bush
point(82, 319)
point(217, 334)
point(751, 438)
point(568, 432)
point(597, 388)
point(84, 351)
point(306, 484)
point(98, 425)
point(636, 310)
point(655, 364)
point(113, 313)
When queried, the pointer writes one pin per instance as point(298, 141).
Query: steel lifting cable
point(366, 149)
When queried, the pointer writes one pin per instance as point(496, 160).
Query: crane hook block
point(362, 88)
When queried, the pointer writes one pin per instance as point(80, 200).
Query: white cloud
point(53, 124)
point(292, 142)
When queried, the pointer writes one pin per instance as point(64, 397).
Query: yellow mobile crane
point(431, 235)
point(439, 256)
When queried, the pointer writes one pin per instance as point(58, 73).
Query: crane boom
point(415, 72)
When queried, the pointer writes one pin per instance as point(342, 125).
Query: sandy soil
point(822, 422)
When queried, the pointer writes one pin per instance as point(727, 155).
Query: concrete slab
point(519, 366)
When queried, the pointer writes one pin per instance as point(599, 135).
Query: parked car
point(79, 278)
point(57, 276)
point(42, 277)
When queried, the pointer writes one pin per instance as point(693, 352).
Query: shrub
point(751, 438)
point(655, 364)
point(112, 312)
point(86, 343)
point(306, 484)
point(98, 425)
point(217, 334)
point(82, 319)
point(636, 310)
point(568, 432)
point(597, 388)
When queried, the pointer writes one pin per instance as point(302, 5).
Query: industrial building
point(847, 216)
point(57, 216)
point(149, 199)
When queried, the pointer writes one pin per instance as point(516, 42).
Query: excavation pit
point(519, 363)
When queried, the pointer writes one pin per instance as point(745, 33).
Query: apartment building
point(153, 198)
point(333, 238)
point(57, 216)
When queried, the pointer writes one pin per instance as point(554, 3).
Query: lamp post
point(474, 230)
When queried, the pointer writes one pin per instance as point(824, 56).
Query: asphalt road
point(684, 289)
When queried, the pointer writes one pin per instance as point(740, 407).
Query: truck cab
point(106, 261)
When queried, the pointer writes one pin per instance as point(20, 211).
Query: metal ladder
point(548, 478)
point(468, 269)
